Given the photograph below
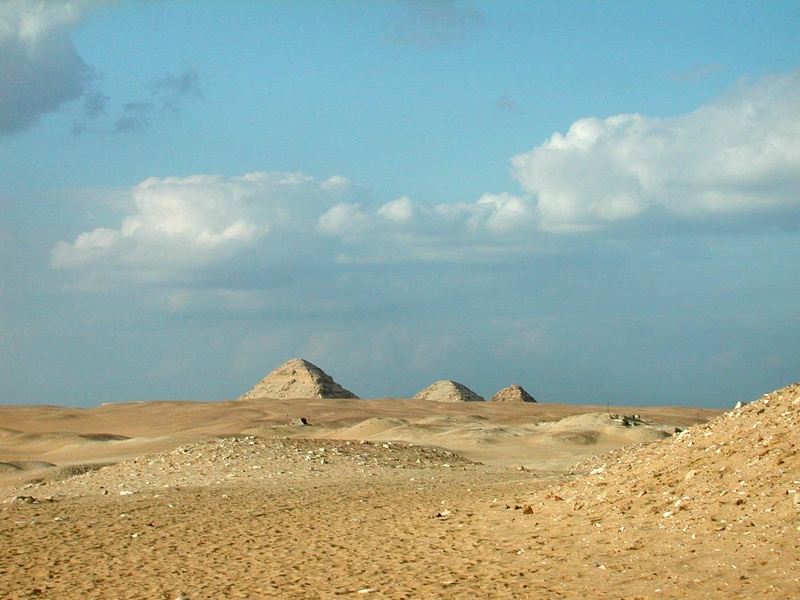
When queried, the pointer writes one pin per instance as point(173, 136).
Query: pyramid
point(512, 393)
point(298, 378)
point(448, 391)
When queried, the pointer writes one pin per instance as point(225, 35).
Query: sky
point(599, 201)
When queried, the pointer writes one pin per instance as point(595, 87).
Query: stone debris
point(738, 472)
point(298, 378)
point(252, 460)
point(512, 393)
point(20, 500)
point(448, 391)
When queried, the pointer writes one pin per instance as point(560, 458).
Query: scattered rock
point(707, 473)
point(20, 500)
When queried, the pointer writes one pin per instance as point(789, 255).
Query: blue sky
point(599, 201)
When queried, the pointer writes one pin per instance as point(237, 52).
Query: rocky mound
point(448, 391)
point(512, 393)
point(298, 378)
point(250, 459)
point(735, 472)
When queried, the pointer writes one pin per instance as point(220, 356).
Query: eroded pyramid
point(512, 393)
point(448, 391)
point(298, 378)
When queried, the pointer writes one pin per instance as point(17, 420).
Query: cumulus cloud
point(401, 230)
point(502, 213)
point(733, 158)
point(40, 69)
point(200, 230)
point(182, 226)
point(738, 155)
point(398, 211)
point(342, 219)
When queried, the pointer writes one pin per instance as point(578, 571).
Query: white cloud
point(740, 154)
point(398, 211)
point(343, 219)
point(183, 225)
point(502, 213)
point(40, 69)
point(211, 231)
point(401, 231)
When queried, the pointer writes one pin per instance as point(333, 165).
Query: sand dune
point(372, 427)
point(499, 434)
point(400, 499)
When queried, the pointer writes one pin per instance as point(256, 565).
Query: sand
point(399, 499)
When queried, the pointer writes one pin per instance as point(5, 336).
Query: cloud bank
point(40, 69)
point(737, 156)
point(182, 226)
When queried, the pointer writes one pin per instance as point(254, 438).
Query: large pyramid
point(298, 378)
point(512, 393)
point(448, 391)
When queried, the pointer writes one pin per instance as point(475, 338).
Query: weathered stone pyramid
point(298, 378)
point(448, 391)
point(512, 393)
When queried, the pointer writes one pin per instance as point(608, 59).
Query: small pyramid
point(298, 378)
point(512, 393)
point(448, 391)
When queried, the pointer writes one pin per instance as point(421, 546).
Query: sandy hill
point(298, 378)
point(512, 393)
point(739, 465)
point(714, 509)
point(448, 391)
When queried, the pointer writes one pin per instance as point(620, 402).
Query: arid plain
point(400, 498)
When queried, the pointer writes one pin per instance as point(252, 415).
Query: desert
point(326, 497)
